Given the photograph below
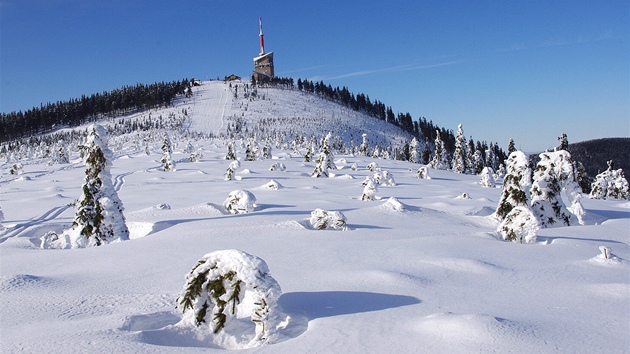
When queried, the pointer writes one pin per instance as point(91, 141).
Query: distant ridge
point(595, 153)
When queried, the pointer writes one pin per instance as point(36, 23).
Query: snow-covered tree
point(308, 155)
point(323, 219)
point(610, 184)
point(519, 225)
point(167, 150)
point(460, 161)
point(414, 151)
point(479, 164)
point(439, 161)
point(277, 166)
point(552, 175)
point(240, 202)
point(383, 178)
point(515, 184)
point(231, 154)
point(486, 179)
point(189, 148)
point(564, 142)
point(373, 167)
point(491, 158)
point(370, 189)
point(16, 169)
point(229, 174)
point(321, 169)
point(99, 215)
point(251, 151)
point(327, 149)
point(196, 156)
point(231, 294)
point(266, 152)
point(363, 148)
point(60, 155)
point(376, 153)
point(511, 147)
point(423, 173)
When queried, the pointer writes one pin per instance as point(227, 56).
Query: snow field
point(420, 268)
point(421, 272)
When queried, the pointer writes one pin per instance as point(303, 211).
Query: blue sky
point(530, 70)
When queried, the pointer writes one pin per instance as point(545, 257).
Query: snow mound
point(600, 260)
point(271, 185)
point(394, 206)
point(471, 332)
point(483, 211)
point(345, 176)
point(149, 322)
point(139, 229)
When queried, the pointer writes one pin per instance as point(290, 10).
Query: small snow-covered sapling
point(605, 252)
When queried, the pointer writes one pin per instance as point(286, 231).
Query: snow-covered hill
point(419, 269)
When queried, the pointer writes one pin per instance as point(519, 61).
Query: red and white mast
point(262, 39)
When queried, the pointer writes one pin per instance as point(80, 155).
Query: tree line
point(420, 128)
point(74, 112)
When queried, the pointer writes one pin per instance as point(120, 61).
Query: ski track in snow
point(18, 229)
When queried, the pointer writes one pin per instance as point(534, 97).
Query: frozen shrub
point(369, 191)
point(610, 184)
point(252, 151)
point(423, 173)
point(383, 178)
point(266, 152)
point(240, 202)
point(229, 174)
point(231, 155)
point(277, 166)
point(321, 169)
point(16, 169)
point(373, 167)
point(273, 185)
point(605, 252)
point(486, 179)
point(196, 156)
point(322, 220)
point(231, 294)
point(520, 225)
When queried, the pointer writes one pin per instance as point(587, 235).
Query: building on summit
point(263, 63)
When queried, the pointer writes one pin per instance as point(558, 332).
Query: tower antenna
point(262, 39)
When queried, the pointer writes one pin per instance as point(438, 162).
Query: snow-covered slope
point(420, 269)
point(233, 110)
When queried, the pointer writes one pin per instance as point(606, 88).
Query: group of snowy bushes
point(528, 203)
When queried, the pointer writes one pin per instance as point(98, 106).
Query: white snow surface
point(417, 271)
